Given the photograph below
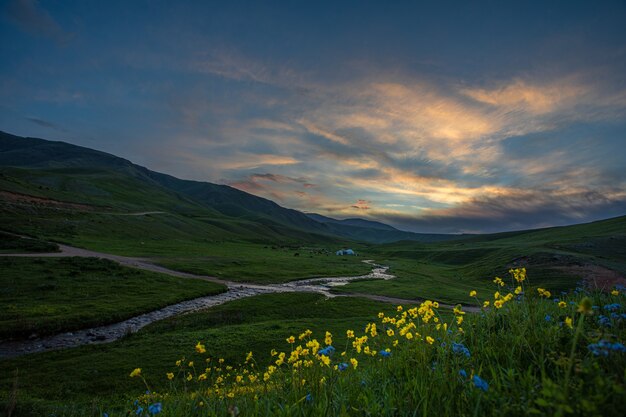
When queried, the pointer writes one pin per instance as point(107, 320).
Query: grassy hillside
point(557, 257)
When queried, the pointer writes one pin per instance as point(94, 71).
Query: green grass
point(532, 365)
point(16, 244)
point(50, 295)
point(100, 372)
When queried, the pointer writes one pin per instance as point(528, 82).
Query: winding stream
point(112, 332)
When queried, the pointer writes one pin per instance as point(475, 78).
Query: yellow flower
point(390, 332)
point(459, 320)
point(568, 322)
point(200, 348)
point(135, 372)
point(249, 357)
point(409, 336)
point(562, 304)
point(518, 290)
point(291, 340)
point(202, 377)
point(585, 306)
point(498, 303)
point(273, 352)
point(395, 343)
point(399, 308)
point(615, 292)
point(328, 339)
point(354, 362)
point(430, 340)
point(496, 295)
point(486, 304)
point(325, 360)
point(189, 377)
point(179, 362)
point(238, 379)
point(381, 315)
point(170, 376)
point(472, 293)
point(191, 364)
point(349, 334)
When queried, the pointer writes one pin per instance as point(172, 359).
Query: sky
point(445, 117)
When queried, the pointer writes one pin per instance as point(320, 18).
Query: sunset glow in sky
point(433, 117)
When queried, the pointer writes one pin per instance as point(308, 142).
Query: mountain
point(53, 170)
point(352, 222)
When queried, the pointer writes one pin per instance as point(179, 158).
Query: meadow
point(45, 296)
point(528, 352)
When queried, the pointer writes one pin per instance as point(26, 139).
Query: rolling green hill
point(65, 175)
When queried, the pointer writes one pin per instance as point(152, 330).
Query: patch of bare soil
point(596, 276)
point(18, 198)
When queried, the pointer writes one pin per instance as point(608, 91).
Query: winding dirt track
point(236, 290)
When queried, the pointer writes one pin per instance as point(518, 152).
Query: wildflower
point(615, 292)
point(460, 349)
point(409, 335)
point(249, 356)
point(399, 308)
point(612, 307)
point(385, 353)
point(179, 362)
point(155, 408)
point(328, 339)
point(200, 348)
point(430, 340)
point(189, 377)
point(463, 373)
point(480, 383)
point(273, 352)
point(604, 347)
point(342, 366)
point(498, 303)
point(390, 332)
point(472, 293)
point(305, 334)
point(518, 290)
point(328, 350)
point(562, 304)
point(548, 317)
point(349, 334)
point(354, 362)
point(291, 340)
point(498, 281)
point(325, 360)
point(170, 375)
point(139, 410)
point(135, 372)
point(544, 293)
point(459, 320)
point(585, 306)
point(308, 398)
point(568, 322)
point(486, 304)
point(604, 321)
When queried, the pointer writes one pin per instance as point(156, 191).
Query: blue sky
point(447, 117)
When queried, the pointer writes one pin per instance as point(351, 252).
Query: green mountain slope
point(74, 174)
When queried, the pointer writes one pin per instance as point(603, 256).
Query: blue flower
point(384, 353)
point(463, 373)
point(327, 351)
point(480, 383)
point(604, 347)
point(105, 414)
point(139, 410)
point(548, 317)
point(155, 408)
point(460, 349)
point(612, 307)
point(308, 397)
point(605, 321)
point(342, 366)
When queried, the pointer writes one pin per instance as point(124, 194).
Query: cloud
point(361, 204)
point(32, 18)
point(44, 123)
